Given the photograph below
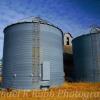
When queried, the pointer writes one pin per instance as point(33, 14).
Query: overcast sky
point(74, 16)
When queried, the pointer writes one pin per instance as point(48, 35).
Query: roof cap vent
point(95, 29)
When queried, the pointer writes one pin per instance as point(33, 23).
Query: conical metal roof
point(34, 19)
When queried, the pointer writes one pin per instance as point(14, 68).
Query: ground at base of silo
point(68, 91)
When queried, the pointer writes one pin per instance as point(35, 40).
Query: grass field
point(67, 91)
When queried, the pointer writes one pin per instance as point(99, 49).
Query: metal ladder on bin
point(36, 52)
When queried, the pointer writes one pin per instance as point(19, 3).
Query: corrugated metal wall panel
point(53, 52)
point(17, 58)
point(86, 50)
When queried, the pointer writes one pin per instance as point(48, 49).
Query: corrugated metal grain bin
point(33, 55)
point(86, 50)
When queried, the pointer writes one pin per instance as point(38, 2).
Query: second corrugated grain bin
point(33, 55)
point(86, 50)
